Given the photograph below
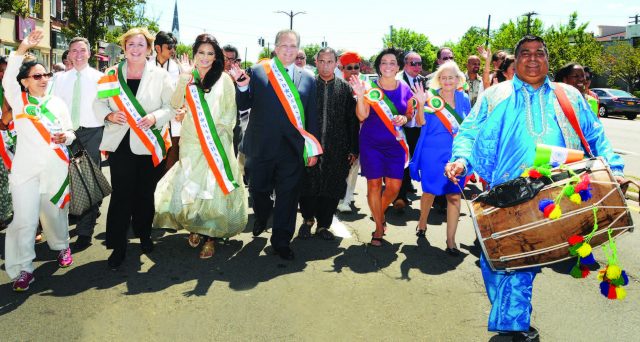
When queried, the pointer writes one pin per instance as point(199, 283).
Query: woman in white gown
point(204, 193)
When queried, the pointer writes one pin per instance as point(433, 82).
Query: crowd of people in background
point(190, 140)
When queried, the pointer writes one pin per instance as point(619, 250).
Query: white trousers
point(351, 182)
point(29, 205)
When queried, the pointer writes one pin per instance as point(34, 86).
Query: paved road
point(340, 290)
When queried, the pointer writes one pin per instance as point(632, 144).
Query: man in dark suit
point(411, 76)
point(274, 146)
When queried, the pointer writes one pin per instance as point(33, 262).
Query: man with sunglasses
point(78, 87)
point(230, 56)
point(410, 74)
point(350, 62)
point(165, 49)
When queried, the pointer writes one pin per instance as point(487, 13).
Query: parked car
point(617, 102)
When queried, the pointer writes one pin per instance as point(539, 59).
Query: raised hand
point(186, 64)
point(239, 75)
point(31, 41)
point(484, 53)
point(420, 93)
point(357, 85)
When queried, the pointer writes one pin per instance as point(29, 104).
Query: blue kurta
point(497, 140)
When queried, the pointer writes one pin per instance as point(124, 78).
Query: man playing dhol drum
point(497, 140)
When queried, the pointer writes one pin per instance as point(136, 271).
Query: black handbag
point(513, 192)
point(88, 185)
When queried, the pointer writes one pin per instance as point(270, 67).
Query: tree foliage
point(468, 44)
point(310, 51)
point(572, 43)
point(409, 40)
point(265, 53)
point(91, 18)
point(622, 62)
point(19, 7)
point(506, 37)
point(182, 48)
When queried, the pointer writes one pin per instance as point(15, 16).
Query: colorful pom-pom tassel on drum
point(575, 239)
point(544, 203)
point(585, 195)
point(555, 213)
point(584, 250)
point(579, 272)
point(613, 272)
point(588, 260)
point(535, 174)
point(576, 198)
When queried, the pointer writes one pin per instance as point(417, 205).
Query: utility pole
point(291, 15)
point(635, 19)
point(529, 15)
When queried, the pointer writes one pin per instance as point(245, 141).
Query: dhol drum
point(520, 236)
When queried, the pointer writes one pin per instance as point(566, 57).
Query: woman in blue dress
point(445, 109)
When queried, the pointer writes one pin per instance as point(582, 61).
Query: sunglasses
point(415, 63)
point(38, 77)
point(447, 58)
point(171, 46)
point(352, 67)
point(301, 58)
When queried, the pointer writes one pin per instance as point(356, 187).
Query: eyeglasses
point(415, 63)
point(352, 67)
point(231, 60)
point(171, 46)
point(447, 58)
point(301, 58)
point(38, 77)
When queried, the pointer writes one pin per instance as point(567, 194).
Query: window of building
point(35, 8)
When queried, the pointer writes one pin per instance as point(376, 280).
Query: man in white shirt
point(165, 48)
point(78, 88)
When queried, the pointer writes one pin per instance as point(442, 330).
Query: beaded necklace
point(530, 119)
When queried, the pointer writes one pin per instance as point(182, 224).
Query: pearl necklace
point(530, 119)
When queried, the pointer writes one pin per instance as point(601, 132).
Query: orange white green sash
point(45, 123)
point(290, 100)
point(447, 115)
point(386, 111)
point(210, 142)
point(154, 140)
point(7, 141)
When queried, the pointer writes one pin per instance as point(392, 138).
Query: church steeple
point(175, 27)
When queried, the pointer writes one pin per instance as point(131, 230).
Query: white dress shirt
point(174, 73)
point(63, 88)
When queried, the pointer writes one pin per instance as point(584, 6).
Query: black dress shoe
point(82, 243)
point(146, 245)
point(258, 227)
point(284, 252)
point(116, 258)
point(454, 252)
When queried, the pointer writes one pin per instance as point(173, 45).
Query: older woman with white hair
point(446, 107)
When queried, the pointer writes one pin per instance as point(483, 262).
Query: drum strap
point(567, 108)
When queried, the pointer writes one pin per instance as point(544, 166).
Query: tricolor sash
point(45, 124)
point(450, 119)
point(154, 140)
point(386, 110)
point(7, 141)
point(290, 100)
point(210, 142)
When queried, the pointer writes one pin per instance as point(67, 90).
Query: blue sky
point(360, 25)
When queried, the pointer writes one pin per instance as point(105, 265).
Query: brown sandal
point(208, 249)
point(194, 239)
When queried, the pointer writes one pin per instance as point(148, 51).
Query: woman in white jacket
point(38, 180)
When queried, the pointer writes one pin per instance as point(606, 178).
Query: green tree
point(310, 51)
point(91, 18)
point(622, 62)
point(572, 43)
point(506, 37)
point(265, 53)
point(468, 45)
point(409, 40)
point(182, 48)
point(19, 7)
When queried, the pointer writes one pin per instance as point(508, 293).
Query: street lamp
point(291, 15)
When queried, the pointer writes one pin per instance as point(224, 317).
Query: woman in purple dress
point(446, 108)
point(383, 107)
